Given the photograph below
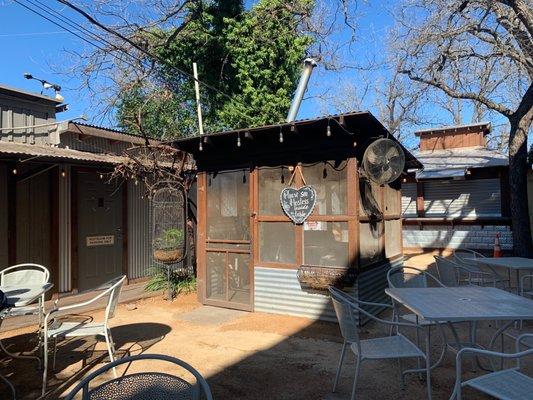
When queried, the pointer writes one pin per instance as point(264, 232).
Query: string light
point(63, 173)
point(101, 176)
point(238, 140)
point(136, 182)
point(280, 135)
point(200, 147)
point(328, 130)
point(14, 171)
point(354, 143)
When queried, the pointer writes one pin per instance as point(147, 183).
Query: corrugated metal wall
point(16, 113)
point(65, 232)
point(278, 291)
point(480, 197)
point(33, 220)
point(409, 199)
point(3, 217)
point(139, 232)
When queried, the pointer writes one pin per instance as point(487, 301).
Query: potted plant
point(169, 246)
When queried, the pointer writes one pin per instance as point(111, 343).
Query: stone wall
point(444, 236)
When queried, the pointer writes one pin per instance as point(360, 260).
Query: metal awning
point(441, 173)
point(56, 153)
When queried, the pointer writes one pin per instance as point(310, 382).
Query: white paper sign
point(105, 240)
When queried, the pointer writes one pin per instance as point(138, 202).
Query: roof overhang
point(285, 143)
point(55, 154)
point(448, 173)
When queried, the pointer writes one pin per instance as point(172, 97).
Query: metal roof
point(25, 94)
point(108, 133)
point(48, 152)
point(485, 126)
point(446, 163)
point(350, 134)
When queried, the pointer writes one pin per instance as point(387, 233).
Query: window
point(393, 238)
point(277, 242)
point(228, 214)
point(326, 243)
point(270, 187)
point(409, 200)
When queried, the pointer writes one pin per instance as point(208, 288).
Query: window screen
point(277, 242)
point(329, 181)
point(270, 187)
point(369, 242)
point(326, 243)
point(228, 215)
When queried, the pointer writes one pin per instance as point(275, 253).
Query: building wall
point(3, 217)
point(16, 112)
point(139, 233)
point(459, 236)
point(278, 291)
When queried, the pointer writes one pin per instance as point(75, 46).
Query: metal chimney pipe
point(309, 64)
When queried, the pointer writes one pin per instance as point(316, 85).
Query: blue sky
point(37, 46)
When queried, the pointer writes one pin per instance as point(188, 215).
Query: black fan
point(383, 161)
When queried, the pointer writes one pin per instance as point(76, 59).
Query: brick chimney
point(452, 137)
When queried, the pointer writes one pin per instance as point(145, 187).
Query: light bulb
point(328, 131)
point(63, 173)
point(14, 171)
point(239, 141)
point(280, 137)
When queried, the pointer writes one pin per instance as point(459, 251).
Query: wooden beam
point(420, 199)
point(125, 230)
point(11, 215)
point(201, 260)
point(54, 228)
point(74, 228)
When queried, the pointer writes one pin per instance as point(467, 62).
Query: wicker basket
point(320, 278)
point(168, 256)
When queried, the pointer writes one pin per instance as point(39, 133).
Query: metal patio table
point(448, 305)
point(20, 296)
point(516, 264)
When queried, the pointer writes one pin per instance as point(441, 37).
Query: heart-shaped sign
point(298, 204)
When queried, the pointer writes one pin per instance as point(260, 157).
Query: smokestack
point(309, 64)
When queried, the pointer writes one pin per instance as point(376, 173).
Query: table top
point(20, 296)
point(505, 262)
point(464, 303)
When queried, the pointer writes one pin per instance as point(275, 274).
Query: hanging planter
point(169, 224)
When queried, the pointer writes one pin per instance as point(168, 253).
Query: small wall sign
point(298, 204)
point(104, 240)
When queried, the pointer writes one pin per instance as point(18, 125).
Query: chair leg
point(337, 375)
point(55, 352)
point(400, 371)
point(110, 351)
point(428, 366)
point(357, 368)
point(45, 362)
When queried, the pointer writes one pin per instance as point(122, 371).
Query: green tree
point(253, 56)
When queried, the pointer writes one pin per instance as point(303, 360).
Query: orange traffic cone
point(497, 248)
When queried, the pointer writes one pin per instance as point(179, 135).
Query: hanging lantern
point(169, 224)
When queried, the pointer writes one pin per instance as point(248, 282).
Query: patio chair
point(506, 384)
point(24, 275)
point(478, 276)
point(450, 272)
point(396, 346)
point(65, 329)
point(144, 385)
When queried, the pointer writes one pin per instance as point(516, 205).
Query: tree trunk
point(518, 169)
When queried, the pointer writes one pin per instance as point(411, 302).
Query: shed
point(461, 197)
point(249, 251)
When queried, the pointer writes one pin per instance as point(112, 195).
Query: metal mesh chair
point(507, 384)
point(450, 273)
point(478, 276)
point(24, 275)
point(144, 385)
point(396, 346)
point(65, 329)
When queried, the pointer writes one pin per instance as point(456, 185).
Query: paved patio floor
point(242, 355)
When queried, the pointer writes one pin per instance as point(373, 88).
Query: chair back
point(200, 387)
point(462, 257)
point(447, 270)
point(114, 287)
point(409, 277)
point(344, 309)
point(24, 274)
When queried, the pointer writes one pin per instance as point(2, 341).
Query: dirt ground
point(242, 355)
